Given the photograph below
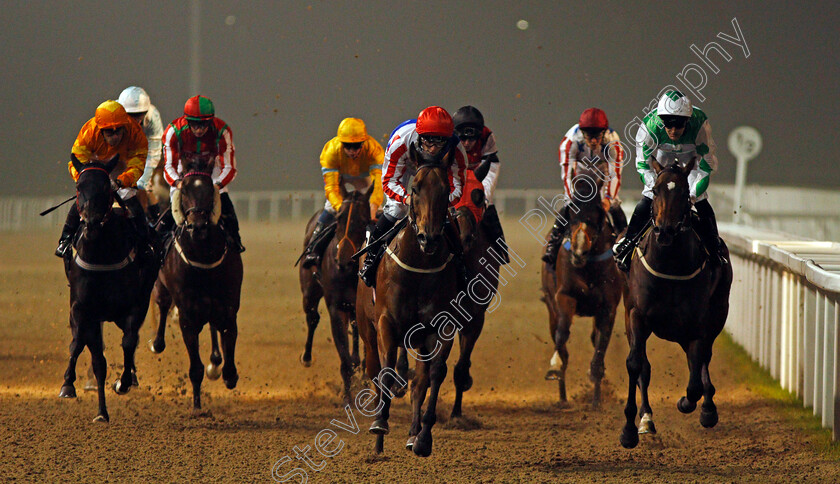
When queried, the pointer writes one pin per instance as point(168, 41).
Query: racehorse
point(107, 282)
point(476, 243)
point(584, 281)
point(202, 275)
point(677, 295)
point(415, 282)
point(336, 279)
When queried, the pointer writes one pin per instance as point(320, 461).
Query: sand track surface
point(513, 432)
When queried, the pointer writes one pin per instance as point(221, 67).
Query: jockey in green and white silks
point(674, 133)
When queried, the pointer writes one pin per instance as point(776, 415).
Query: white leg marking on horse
point(555, 360)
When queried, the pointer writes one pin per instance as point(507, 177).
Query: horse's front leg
point(214, 368)
point(420, 385)
point(354, 328)
point(387, 345)
point(338, 323)
point(437, 373)
point(163, 299)
point(637, 336)
point(708, 411)
point(694, 389)
point(190, 331)
point(93, 340)
point(461, 373)
point(312, 293)
point(129, 326)
point(566, 307)
point(230, 375)
point(646, 425)
point(602, 327)
point(68, 390)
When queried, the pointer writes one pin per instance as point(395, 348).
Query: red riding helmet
point(435, 121)
point(199, 108)
point(593, 118)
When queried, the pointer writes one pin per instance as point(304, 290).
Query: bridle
point(198, 210)
point(347, 230)
point(110, 205)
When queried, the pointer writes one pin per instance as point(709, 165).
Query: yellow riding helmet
point(352, 130)
point(110, 115)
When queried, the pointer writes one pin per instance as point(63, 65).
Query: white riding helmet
point(672, 103)
point(135, 100)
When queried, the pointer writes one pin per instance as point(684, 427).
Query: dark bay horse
point(677, 295)
point(202, 275)
point(415, 283)
point(335, 280)
point(483, 265)
point(107, 283)
point(584, 282)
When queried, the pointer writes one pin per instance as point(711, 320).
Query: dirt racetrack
point(518, 433)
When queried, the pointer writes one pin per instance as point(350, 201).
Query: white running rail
point(785, 312)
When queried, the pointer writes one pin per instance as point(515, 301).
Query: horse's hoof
point(468, 384)
point(91, 386)
point(306, 363)
point(101, 418)
point(629, 437)
point(398, 391)
point(552, 374)
point(156, 348)
point(230, 383)
point(410, 442)
point(708, 419)
point(118, 388)
point(67, 391)
point(646, 425)
point(379, 427)
point(423, 445)
point(213, 371)
point(685, 405)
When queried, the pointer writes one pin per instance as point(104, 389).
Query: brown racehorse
point(107, 283)
point(202, 275)
point(415, 283)
point(483, 267)
point(335, 280)
point(677, 295)
point(584, 282)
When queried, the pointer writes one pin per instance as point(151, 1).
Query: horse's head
point(587, 217)
point(353, 217)
point(429, 201)
point(671, 202)
point(94, 196)
point(198, 199)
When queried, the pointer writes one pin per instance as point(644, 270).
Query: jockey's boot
point(461, 277)
point(163, 230)
point(708, 233)
point(555, 238)
point(317, 244)
point(494, 230)
point(623, 249)
point(141, 227)
point(368, 271)
point(71, 225)
point(231, 223)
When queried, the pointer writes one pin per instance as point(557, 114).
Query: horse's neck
point(212, 246)
point(406, 246)
point(109, 245)
point(683, 255)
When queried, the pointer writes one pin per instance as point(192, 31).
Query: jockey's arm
point(706, 162)
point(171, 156)
point(645, 146)
point(567, 155)
point(136, 162)
point(330, 170)
point(458, 170)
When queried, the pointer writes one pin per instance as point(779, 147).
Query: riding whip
point(55, 207)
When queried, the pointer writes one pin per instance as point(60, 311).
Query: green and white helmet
point(674, 103)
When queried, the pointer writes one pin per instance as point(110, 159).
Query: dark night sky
point(285, 73)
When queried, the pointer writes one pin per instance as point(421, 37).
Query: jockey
point(675, 132)
point(137, 104)
point(480, 144)
point(590, 141)
point(351, 157)
point(111, 132)
point(200, 131)
point(432, 136)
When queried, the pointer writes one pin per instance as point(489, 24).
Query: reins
point(347, 229)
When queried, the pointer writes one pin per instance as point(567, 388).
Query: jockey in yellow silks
point(351, 157)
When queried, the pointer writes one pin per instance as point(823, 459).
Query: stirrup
point(64, 246)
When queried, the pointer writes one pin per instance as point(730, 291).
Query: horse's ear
point(412, 153)
point(369, 191)
point(477, 197)
point(112, 163)
point(656, 166)
point(76, 163)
